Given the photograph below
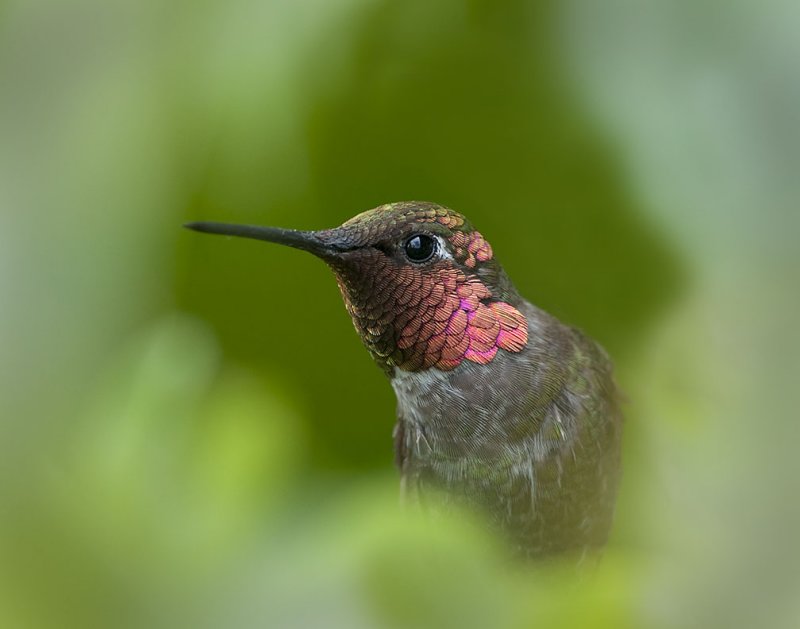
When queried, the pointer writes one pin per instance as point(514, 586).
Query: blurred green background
point(190, 431)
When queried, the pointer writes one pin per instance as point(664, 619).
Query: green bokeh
point(190, 431)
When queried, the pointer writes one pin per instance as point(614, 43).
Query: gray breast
point(532, 438)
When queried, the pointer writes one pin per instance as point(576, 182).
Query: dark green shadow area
point(459, 103)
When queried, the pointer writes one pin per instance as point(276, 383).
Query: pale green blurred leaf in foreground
point(190, 433)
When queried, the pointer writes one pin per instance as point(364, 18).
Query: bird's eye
point(420, 248)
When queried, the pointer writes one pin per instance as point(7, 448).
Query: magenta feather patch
point(461, 327)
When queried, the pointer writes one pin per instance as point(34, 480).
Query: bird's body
point(500, 406)
point(537, 449)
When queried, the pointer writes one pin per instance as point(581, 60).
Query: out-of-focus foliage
point(190, 433)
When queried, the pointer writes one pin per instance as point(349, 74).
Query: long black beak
point(310, 241)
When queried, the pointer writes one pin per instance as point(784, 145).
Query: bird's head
point(422, 285)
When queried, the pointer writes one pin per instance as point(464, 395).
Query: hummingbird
point(500, 407)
